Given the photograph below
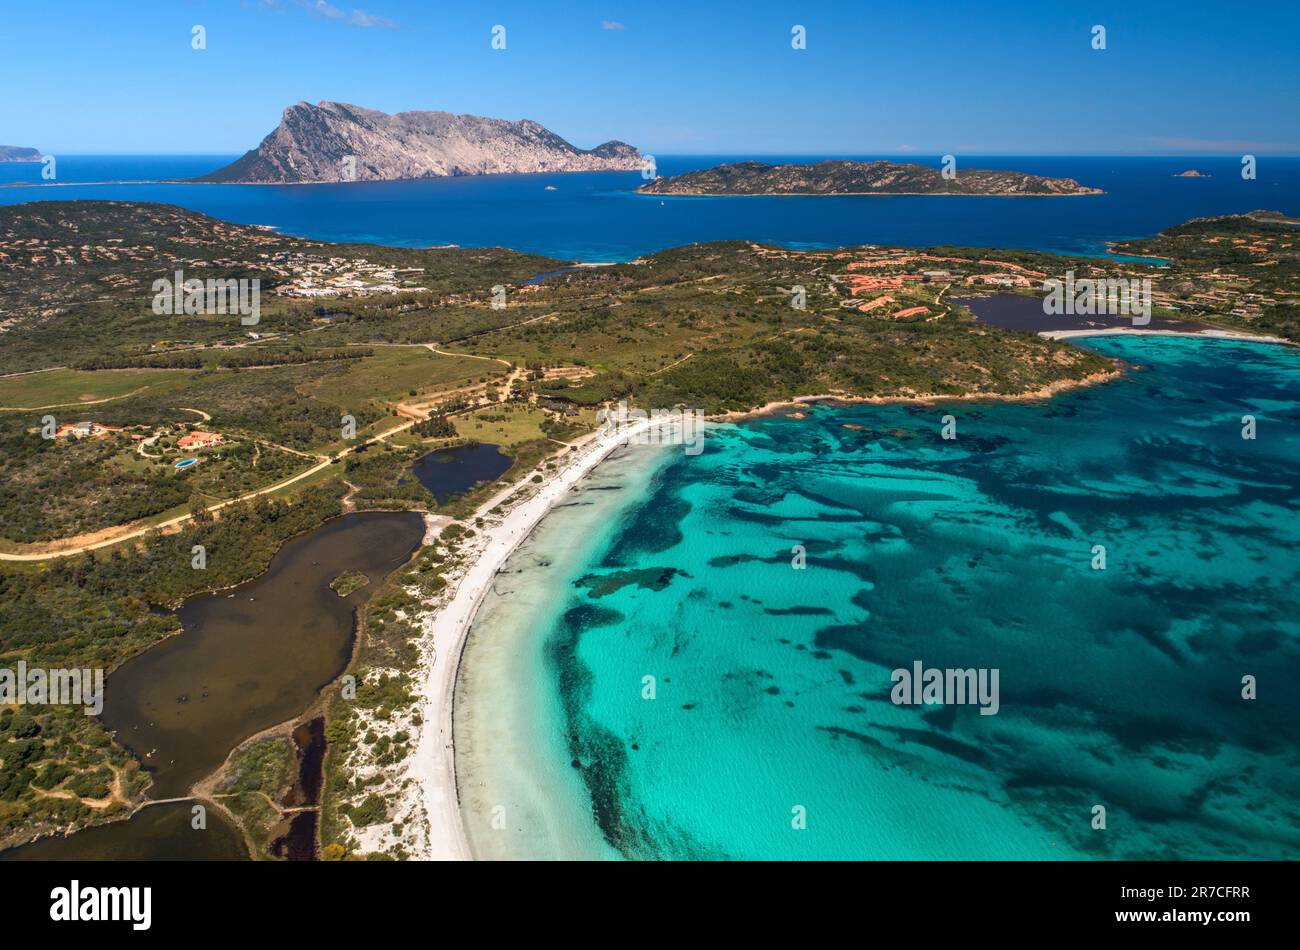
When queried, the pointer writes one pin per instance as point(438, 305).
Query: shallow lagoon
point(249, 658)
point(252, 656)
point(454, 471)
point(157, 833)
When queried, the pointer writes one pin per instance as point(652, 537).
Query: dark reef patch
point(598, 755)
point(646, 578)
point(799, 611)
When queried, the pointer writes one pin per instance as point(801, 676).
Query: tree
point(199, 509)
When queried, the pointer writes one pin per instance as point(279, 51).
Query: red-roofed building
point(199, 440)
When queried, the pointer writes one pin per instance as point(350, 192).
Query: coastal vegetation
point(409, 346)
point(370, 732)
point(254, 782)
point(1241, 270)
point(858, 178)
point(347, 582)
point(96, 611)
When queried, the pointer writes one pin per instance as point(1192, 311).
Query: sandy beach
point(433, 765)
point(1125, 331)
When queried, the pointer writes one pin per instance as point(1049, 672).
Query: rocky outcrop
point(334, 141)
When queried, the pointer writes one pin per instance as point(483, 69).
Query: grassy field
point(395, 371)
point(515, 423)
point(502, 425)
point(70, 387)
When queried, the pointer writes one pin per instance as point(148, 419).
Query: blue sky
point(667, 76)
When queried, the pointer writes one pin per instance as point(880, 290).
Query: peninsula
point(174, 430)
point(336, 141)
point(858, 178)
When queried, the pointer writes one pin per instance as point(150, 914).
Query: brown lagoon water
point(157, 833)
point(249, 658)
point(252, 656)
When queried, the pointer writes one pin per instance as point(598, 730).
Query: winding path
point(93, 541)
point(111, 536)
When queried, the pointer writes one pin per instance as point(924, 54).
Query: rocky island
point(1191, 173)
point(335, 141)
point(857, 178)
point(16, 153)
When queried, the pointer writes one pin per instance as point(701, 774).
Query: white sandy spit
point(433, 763)
point(1126, 331)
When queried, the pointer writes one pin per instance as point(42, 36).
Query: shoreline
point(1044, 392)
point(1209, 334)
point(433, 763)
point(866, 194)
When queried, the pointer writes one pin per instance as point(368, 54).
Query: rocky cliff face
point(334, 141)
point(850, 178)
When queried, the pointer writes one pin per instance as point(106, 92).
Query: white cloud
point(323, 8)
point(611, 25)
point(366, 20)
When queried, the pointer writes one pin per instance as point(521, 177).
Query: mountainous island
point(1192, 173)
point(314, 143)
point(857, 178)
point(16, 153)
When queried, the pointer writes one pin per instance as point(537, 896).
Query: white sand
point(433, 764)
point(1134, 331)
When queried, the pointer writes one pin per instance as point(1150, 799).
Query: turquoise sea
point(1119, 687)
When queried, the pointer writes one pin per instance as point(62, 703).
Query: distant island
point(857, 178)
point(1191, 173)
point(16, 153)
point(335, 141)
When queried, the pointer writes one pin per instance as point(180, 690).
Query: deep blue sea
point(597, 217)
